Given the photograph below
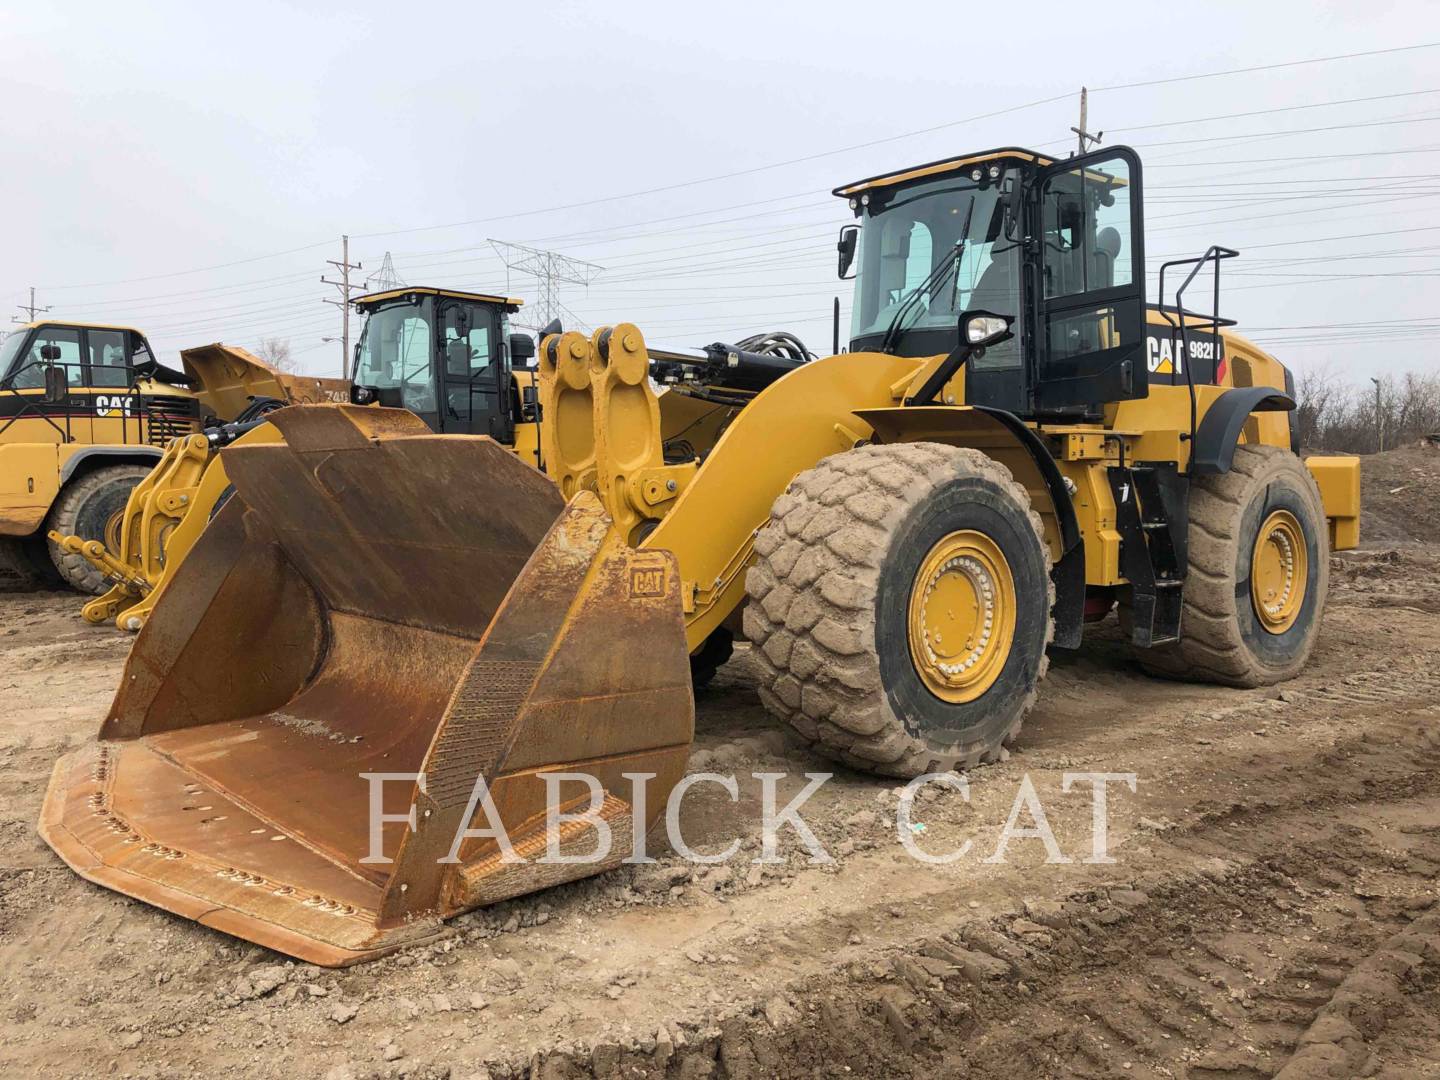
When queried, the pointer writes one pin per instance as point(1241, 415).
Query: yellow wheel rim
point(1279, 572)
point(961, 621)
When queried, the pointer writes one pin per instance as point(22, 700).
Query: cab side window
point(140, 353)
point(52, 346)
point(107, 358)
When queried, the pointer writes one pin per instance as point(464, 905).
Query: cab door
point(1088, 254)
point(472, 371)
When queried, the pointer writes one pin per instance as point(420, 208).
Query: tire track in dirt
point(876, 964)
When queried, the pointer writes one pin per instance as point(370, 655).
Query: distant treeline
point(1336, 414)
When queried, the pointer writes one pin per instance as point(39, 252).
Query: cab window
point(465, 341)
point(395, 354)
point(1085, 219)
point(51, 346)
point(107, 358)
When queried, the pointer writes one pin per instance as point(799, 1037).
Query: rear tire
point(88, 508)
point(1258, 577)
point(900, 606)
point(17, 574)
point(711, 657)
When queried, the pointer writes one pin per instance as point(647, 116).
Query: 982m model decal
point(1167, 356)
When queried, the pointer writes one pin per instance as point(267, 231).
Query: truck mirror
point(848, 242)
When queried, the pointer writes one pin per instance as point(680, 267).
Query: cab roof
point(370, 299)
point(64, 323)
point(939, 168)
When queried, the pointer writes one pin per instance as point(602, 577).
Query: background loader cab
point(1056, 246)
point(446, 356)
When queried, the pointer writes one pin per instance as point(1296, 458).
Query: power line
point(1266, 67)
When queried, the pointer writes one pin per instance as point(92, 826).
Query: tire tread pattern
point(812, 590)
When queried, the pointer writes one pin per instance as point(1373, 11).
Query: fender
point(140, 455)
point(952, 424)
point(1219, 430)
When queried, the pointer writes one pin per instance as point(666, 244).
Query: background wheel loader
point(420, 347)
point(85, 413)
point(447, 356)
point(1014, 445)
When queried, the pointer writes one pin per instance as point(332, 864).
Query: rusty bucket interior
point(378, 600)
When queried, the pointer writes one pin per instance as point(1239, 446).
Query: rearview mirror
point(981, 329)
point(848, 242)
point(57, 389)
point(50, 352)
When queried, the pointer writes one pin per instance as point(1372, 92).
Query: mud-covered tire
point(830, 592)
point(1222, 638)
point(83, 509)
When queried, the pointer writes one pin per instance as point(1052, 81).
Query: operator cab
point(99, 357)
point(444, 355)
point(1057, 246)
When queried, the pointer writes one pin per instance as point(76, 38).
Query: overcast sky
point(187, 169)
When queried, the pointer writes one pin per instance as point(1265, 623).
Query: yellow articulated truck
point(86, 412)
point(1016, 443)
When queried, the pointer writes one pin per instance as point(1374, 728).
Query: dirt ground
point(1271, 910)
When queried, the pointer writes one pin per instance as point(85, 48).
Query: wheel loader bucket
point(379, 619)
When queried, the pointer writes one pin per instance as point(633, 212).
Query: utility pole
point(30, 309)
point(1379, 419)
point(549, 269)
point(344, 266)
point(1087, 140)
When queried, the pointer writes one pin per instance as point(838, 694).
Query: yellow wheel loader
point(446, 355)
point(452, 680)
point(421, 347)
point(85, 414)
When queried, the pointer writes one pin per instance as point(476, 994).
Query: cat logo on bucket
point(647, 581)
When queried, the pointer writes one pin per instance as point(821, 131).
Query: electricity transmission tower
point(30, 309)
point(550, 270)
point(343, 303)
point(385, 278)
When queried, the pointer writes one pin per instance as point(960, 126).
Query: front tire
point(91, 508)
point(1258, 577)
point(900, 606)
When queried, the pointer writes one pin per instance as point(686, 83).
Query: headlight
point(984, 327)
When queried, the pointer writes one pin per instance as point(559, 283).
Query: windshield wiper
point(951, 264)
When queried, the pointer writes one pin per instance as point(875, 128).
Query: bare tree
point(276, 353)
point(1336, 415)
